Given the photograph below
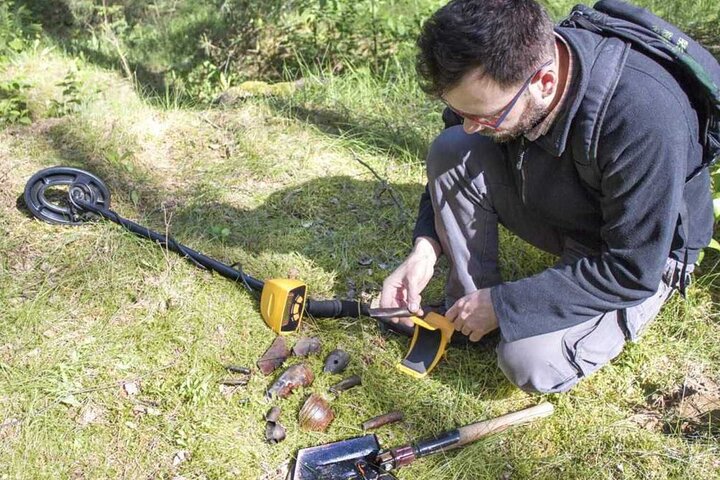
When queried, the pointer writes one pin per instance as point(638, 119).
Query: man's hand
point(474, 315)
point(403, 287)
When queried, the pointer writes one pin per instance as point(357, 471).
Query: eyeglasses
point(494, 121)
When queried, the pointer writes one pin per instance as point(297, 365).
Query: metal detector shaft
point(169, 243)
point(317, 308)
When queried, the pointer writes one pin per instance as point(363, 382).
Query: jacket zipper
point(520, 165)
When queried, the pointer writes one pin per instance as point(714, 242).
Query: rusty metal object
point(238, 369)
point(381, 420)
point(273, 415)
point(307, 346)
point(336, 361)
point(294, 377)
point(316, 414)
point(346, 384)
point(274, 356)
point(274, 432)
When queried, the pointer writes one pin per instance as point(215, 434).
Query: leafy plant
point(15, 28)
point(13, 104)
point(71, 98)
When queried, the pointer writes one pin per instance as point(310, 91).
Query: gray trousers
point(472, 192)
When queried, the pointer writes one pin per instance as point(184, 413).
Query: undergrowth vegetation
point(112, 349)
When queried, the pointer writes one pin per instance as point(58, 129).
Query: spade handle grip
point(475, 431)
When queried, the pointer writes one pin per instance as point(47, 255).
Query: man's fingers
point(451, 313)
point(413, 299)
point(475, 336)
point(407, 322)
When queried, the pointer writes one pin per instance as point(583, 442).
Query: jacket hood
point(583, 45)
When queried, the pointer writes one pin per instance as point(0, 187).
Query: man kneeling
point(519, 92)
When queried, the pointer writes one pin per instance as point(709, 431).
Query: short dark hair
point(507, 39)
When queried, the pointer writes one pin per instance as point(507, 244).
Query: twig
point(116, 43)
point(211, 123)
point(385, 185)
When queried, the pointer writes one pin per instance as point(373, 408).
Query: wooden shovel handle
point(475, 431)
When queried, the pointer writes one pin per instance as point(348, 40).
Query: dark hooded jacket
point(648, 146)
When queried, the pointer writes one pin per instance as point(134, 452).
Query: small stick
point(234, 382)
point(385, 184)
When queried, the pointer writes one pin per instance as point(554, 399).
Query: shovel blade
point(335, 461)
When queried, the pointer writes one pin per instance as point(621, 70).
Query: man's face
point(481, 102)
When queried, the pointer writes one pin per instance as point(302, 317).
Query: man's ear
point(547, 82)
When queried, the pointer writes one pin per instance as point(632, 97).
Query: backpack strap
point(603, 77)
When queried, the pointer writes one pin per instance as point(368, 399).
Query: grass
point(89, 312)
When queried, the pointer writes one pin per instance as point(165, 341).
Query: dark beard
point(533, 115)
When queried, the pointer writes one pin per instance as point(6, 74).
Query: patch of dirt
point(281, 472)
point(90, 414)
point(9, 429)
point(691, 409)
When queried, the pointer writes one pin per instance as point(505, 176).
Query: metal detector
point(70, 196)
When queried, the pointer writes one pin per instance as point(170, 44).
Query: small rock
point(89, 414)
point(131, 388)
point(220, 329)
point(180, 457)
point(365, 261)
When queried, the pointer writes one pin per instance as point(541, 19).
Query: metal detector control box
point(282, 304)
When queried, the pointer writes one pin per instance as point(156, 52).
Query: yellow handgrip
point(428, 344)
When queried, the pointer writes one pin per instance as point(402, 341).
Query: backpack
point(625, 26)
point(696, 70)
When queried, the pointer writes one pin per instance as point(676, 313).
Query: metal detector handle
point(334, 308)
point(351, 309)
point(476, 431)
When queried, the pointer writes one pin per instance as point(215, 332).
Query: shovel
point(362, 458)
